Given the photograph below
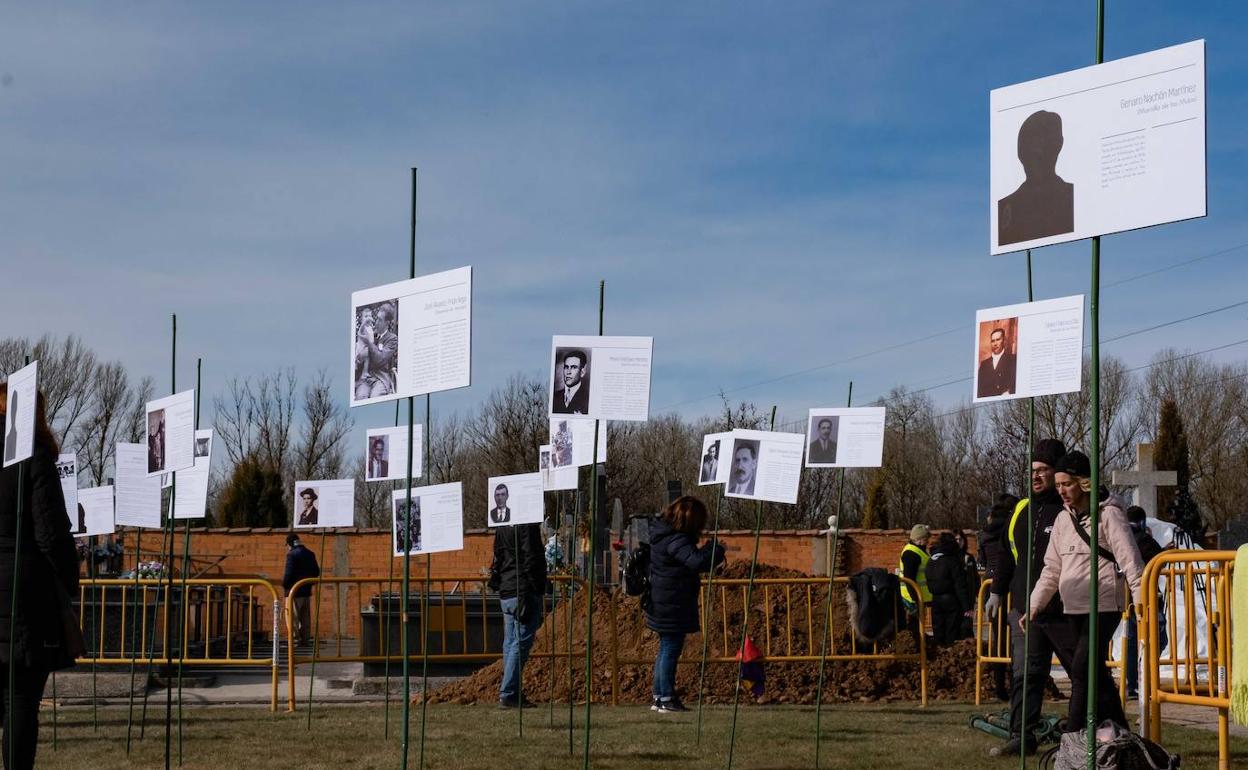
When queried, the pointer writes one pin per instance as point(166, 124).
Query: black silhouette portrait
point(1044, 204)
point(10, 439)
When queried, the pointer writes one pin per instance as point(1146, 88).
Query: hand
point(992, 606)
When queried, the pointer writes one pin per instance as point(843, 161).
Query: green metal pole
point(424, 611)
point(95, 710)
point(572, 605)
point(1094, 649)
point(1030, 547)
point(706, 608)
point(593, 533)
point(385, 617)
point(134, 630)
point(406, 530)
point(316, 624)
point(17, 550)
point(827, 599)
point(745, 616)
point(520, 695)
point(186, 565)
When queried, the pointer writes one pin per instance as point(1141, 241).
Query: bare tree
point(115, 413)
point(320, 451)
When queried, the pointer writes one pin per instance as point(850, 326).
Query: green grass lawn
point(892, 736)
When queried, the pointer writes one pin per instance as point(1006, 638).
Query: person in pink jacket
point(1067, 571)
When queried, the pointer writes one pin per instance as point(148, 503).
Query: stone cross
point(1145, 478)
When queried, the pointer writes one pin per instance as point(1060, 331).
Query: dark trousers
point(1108, 706)
point(1049, 635)
point(946, 626)
point(22, 725)
point(303, 619)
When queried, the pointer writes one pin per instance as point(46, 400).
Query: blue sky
point(765, 188)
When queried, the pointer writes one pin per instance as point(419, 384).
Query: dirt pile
point(784, 619)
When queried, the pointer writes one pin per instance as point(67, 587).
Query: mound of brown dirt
point(784, 619)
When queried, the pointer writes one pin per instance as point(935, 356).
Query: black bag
point(637, 574)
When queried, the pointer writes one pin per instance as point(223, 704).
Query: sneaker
point(1011, 748)
point(673, 706)
point(656, 705)
point(515, 703)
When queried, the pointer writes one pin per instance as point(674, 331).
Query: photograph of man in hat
point(308, 515)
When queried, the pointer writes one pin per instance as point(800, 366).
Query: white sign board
point(716, 458)
point(1030, 349)
point(171, 433)
point(137, 494)
point(434, 523)
point(1107, 148)
point(324, 503)
point(385, 453)
point(412, 337)
point(515, 499)
point(67, 470)
point(554, 477)
point(603, 377)
point(19, 417)
point(572, 442)
point(97, 502)
point(190, 499)
point(765, 465)
point(845, 437)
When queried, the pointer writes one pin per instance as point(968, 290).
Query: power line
point(961, 327)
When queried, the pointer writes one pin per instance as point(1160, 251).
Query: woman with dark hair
point(676, 564)
point(33, 640)
point(1068, 565)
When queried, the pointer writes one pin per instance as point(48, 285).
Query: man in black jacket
point(300, 564)
point(1049, 634)
point(519, 575)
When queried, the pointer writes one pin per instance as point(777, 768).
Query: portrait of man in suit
point(710, 463)
point(500, 513)
point(378, 463)
point(309, 513)
point(571, 395)
point(997, 372)
point(744, 467)
point(156, 441)
point(822, 447)
point(376, 349)
point(1044, 204)
point(561, 445)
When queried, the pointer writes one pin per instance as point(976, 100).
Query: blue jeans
point(670, 646)
point(518, 633)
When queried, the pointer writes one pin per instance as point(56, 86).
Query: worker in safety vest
point(913, 566)
point(1021, 562)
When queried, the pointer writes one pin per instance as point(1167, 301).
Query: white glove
point(992, 605)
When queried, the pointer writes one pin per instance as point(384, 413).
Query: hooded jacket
point(676, 562)
point(1068, 562)
point(947, 580)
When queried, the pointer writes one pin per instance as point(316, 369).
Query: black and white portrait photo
point(822, 433)
point(561, 445)
point(309, 513)
point(571, 381)
point(12, 415)
point(1044, 204)
point(406, 520)
point(710, 463)
point(543, 462)
point(155, 440)
point(378, 457)
point(744, 470)
point(376, 349)
point(500, 513)
point(203, 445)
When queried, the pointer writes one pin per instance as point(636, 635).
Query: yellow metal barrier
point(223, 623)
point(778, 646)
point(457, 629)
point(994, 644)
point(1204, 579)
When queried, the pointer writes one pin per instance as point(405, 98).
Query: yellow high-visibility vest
point(1018, 511)
point(920, 578)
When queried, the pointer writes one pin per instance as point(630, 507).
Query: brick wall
point(360, 552)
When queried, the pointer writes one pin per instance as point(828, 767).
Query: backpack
point(637, 574)
point(1123, 750)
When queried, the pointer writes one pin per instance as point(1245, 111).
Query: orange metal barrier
point(802, 600)
point(994, 645)
point(1204, 579)
point(225, 622)
point(457, 629)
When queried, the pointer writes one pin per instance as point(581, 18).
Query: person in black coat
point(518, 573)
point(300, 564)
point(676, 564)
point(34, 639)
point(951, 591)
point(992, 550)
